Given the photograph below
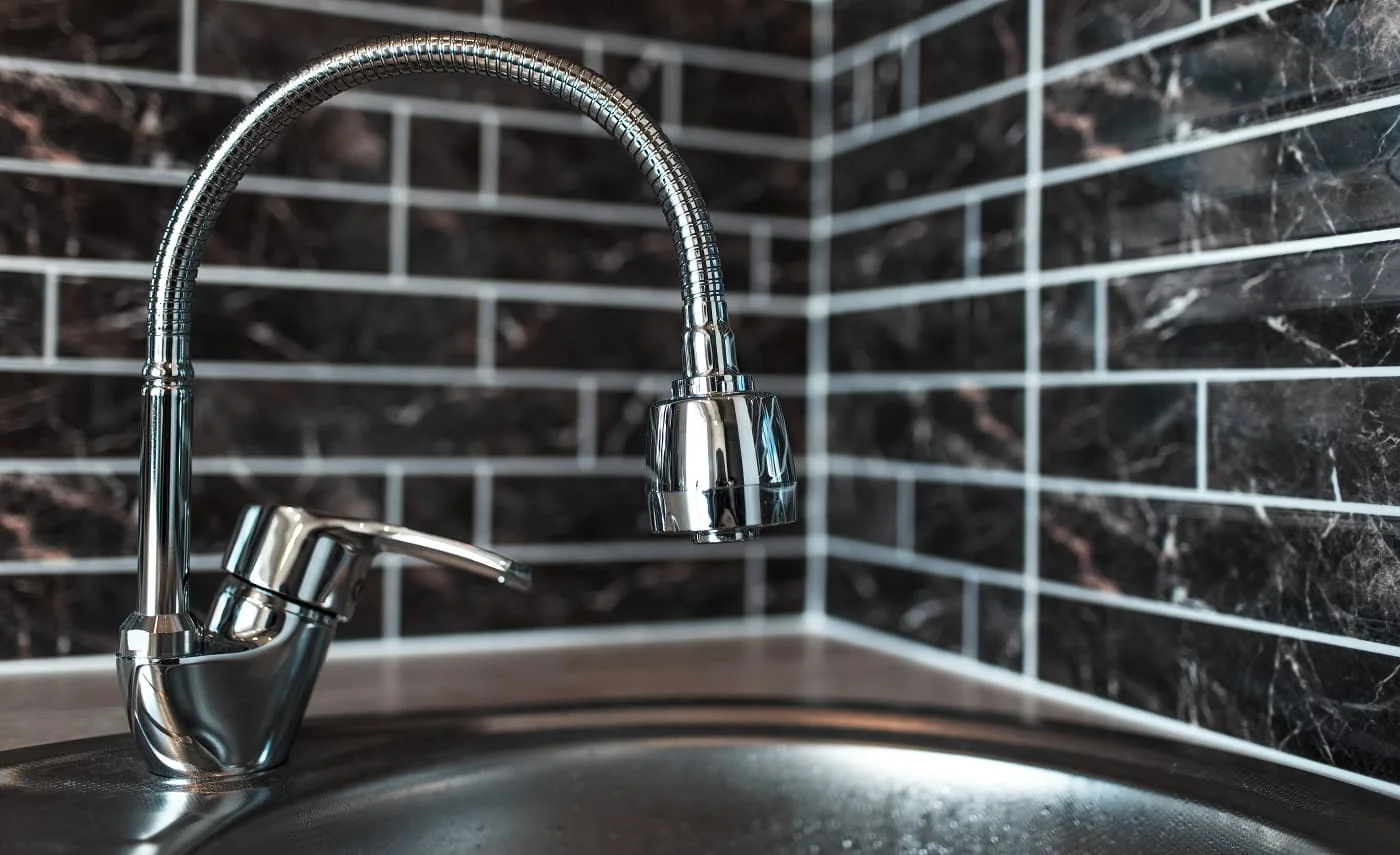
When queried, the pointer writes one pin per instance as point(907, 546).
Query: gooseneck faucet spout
point(226, 698)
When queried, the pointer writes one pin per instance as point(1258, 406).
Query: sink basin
point(742, 777)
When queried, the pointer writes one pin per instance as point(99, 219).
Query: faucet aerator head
point(720, 465)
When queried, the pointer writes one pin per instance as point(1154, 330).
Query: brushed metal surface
point(741, 777)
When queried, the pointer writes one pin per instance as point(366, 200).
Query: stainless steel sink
point(744, 777)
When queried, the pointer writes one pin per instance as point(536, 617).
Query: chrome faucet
point(226, 699)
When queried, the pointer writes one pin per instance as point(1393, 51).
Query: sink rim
point(1322, 810)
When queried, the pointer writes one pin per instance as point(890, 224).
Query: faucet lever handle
point(320, 561)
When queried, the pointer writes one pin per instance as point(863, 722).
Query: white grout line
point(483, 504)
point(972, 239)
point(672, 93)
point(818, 327)
point(761, 259)
point(1204, 9)
point(905, 519)
point(884, 556)
point(876, 382)
point(755, 581)
point(1030, 543)
point(561, 293)
point(489, 157)
point(943, 474)
point(400, 159)
point(554, 121)
point(1101, 326)
point(49, 343)
point(832, 64)
point(871, 639)
point(594, 52)
point(508, 641)
point(909, 77)
point(1202, 436)
point(391, 609)
point(491, 14)
point(189, 37)
point(587, 422)
point(708, 56)
point(862, 96)
point(971, 631)
point(486, 324)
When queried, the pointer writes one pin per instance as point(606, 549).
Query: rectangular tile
point(438, 601)
point(1324, 439)
point(48, 615)
point(1067, 331)
point(1000, 639)
point(978, 525)
point(445, 154)
point(21, 314)
point(107, 318)
point(912, 605)
point(585, 509)
point(924, 249)
point(1324, 572)
point(59, 120)
point(1325, 310)
point(966, 427)
point(969, 148)
point(785, 587)
point(535, 335)
point(1075, 28)
point(972, 334)
point(140, 35)
point(1143, 434)
point(865, 509)
point(1001, 245)
point(57, 415)
point(237, 417)
point(495, 246)
point(1296, 59)
point(770, 105)
point(981, 50)
point(770, 26)
point(1328, 179)
point(1324, 703)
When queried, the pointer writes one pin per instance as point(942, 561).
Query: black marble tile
point(905, 603)
point(441, 504)
point(770, 105)
point(1330, 704)
point(57, 615)
point(536, 163)
point(856, 20)
point(1326, 439)
point(270, 418)
point(1074, 28)
point(978, 525)
point(965, 427)
point(1001, 247)
point(769, 26)
point(1000, 639)
point(785, 585)
point(582, 509)
point(438, 601)
point(865, 509)
point(265, 42)
point(788, 270)
point(1324, 309)
point(444, 154)
point(1144, 434)
point(62, 120)
point(1324, 572)
point(540, 335)
point(622, 421)
point(21, 314)
point(1332, 178)
point(923, 249)
point(978, 146)
point(70, 415)
point(494, 246)
point(1067, 328)
point(133, 33)
point(981, 50)
point(972, 334)
point(107, 318)
point(101, 219)
point(1295, 59)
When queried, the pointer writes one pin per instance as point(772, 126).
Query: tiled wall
point(440, 300)
point(1112, 346)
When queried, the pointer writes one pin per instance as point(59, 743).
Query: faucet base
point(159, 636)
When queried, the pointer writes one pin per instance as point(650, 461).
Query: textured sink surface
point(693, 778)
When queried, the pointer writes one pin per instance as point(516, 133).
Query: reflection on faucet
point(226, 699)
